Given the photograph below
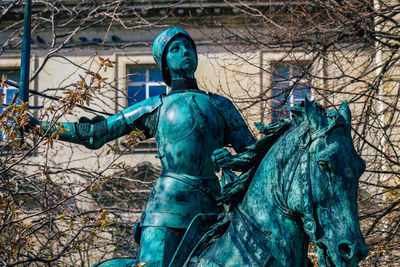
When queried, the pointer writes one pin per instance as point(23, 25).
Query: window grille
point(144, 83)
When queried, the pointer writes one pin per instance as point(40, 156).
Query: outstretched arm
point(91, 133)
point(96, 132)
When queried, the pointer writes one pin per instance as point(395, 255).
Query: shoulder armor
point(134, 112)
point(228, 111)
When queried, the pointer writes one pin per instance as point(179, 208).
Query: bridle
point(302, 160)
point(309, 220)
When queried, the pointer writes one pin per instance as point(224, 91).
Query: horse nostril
point(345, 250)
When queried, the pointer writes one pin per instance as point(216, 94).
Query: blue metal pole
point(23, 92)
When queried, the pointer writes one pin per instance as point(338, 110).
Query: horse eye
point(323, 165)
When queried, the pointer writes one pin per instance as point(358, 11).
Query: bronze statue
point(298, 183)
point(188, 125)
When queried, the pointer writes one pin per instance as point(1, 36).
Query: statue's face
point(181, 59)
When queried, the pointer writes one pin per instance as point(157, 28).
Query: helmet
point(160, 45)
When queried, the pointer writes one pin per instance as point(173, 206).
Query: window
point(9, 91)
point(289, 82)
point(144, 83)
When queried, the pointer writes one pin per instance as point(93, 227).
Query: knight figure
point(188, 125)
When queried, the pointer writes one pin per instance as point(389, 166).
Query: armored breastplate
point(189, 130)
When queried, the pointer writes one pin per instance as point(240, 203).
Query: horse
point(304, 189)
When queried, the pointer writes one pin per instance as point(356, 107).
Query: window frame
point(147, 83)
point(3, 137)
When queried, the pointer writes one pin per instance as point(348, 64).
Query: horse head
point(331, 169)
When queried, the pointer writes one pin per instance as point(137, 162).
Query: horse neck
point(275, 175)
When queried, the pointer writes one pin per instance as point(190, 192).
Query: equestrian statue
point(298, 183)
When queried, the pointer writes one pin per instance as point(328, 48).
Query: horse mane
point(234, 192)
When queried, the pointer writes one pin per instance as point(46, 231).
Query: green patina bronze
point(298, 184)
point(303, 189)
point(188, 125)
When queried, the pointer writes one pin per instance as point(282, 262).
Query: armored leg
point(158, 245)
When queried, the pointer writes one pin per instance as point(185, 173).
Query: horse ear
point(314, 117)
point(344, 110)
